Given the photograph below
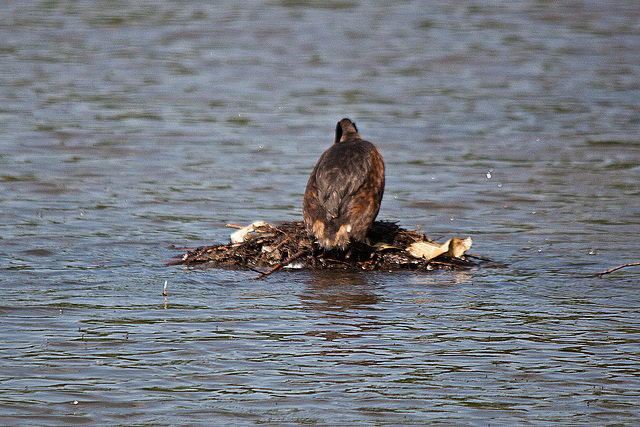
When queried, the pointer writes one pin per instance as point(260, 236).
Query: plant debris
point(388, 247)
point(611, 270)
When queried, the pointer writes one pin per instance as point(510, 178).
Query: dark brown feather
point(344, 191)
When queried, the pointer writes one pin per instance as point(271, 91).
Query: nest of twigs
point(266, 248)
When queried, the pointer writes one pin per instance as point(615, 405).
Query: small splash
point(489, 173)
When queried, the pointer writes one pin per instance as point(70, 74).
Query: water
point(126, 128)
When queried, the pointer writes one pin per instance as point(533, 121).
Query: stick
point(164, 290)
point(611, 270)
point(476, 256)
point(281, 264)
point(252, 268)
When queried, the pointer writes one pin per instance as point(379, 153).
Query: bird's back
point(341, 171)
point(344, 191)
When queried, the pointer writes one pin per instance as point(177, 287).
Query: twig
point(611, 270)
point(285, 240)
point(448, 264)
point(481, 258)
point(164, 290)
point(337, 261)
point(452, 262)
point(235, 226)
point(281, 264)
point(253, 269)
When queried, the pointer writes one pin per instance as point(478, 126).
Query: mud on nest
point(265, 248)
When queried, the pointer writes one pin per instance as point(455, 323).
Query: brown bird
point(345, 189)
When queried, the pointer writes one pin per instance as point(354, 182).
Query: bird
point(344, 191)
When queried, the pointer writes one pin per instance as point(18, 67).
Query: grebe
point(344, 191)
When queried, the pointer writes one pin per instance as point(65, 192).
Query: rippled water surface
point(129, 127)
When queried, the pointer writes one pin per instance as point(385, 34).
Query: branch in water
point(611, 270)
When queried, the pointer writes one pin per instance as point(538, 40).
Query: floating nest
point(266, 248)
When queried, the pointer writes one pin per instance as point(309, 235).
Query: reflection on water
point(339, 290)
point(127, 127)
